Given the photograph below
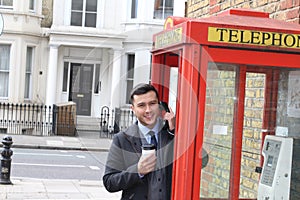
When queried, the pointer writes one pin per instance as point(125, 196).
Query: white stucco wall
point(115, 35)
point(21, 30)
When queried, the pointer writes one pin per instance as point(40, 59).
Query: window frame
point(66, 72)
point(28, 73)
point(33, 3)
point(97, 82)
point(84, 13)
point(6, 70)
point(130, 75)
point(2, 6)
point(160, 8)
point(134, 9)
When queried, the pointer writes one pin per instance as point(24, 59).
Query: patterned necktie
point(153, 139)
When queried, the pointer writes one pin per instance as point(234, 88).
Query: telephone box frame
point(195, 42)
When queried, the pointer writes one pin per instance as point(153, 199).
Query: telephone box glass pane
point(218, 130)
point(288, 104)
point(252, 137)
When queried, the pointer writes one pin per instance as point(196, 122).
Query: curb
point(24, 146)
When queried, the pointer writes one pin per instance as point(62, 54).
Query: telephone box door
point(238, 113)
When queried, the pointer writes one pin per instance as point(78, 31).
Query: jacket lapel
point(134, 138)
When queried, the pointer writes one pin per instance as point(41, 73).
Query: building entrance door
point(81, 87)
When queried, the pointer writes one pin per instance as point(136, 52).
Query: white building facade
point(92, 53)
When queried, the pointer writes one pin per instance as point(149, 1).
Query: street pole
point(5, 166)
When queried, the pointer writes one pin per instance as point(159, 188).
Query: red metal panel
point(200, 107)
point(273, 101)
point(235, 20)
point(187, 127)
point(195, 108)
point(237, 137)
point(183, 164)
point(157, 61)
point(244, 12)
point(165, 78)
point(196, 30)
point(238, 56)
point(271, 93)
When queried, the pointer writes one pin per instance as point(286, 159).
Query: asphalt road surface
point(58, 164)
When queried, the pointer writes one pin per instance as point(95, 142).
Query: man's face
point(146, 108)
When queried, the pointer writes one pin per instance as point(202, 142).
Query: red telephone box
point(232, 79)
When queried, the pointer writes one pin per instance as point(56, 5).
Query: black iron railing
point(41, 120)
point(25, 119)
point(34, 119)
point(114, 120)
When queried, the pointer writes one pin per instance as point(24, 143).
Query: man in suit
point(148, 176)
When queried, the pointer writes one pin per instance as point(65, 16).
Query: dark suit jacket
point(121, 167)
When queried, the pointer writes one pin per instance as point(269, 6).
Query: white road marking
point(43, 154)
point(94, 168)
point(78, 156)
point(50, 165)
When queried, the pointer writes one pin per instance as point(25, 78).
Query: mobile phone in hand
point(164, 106)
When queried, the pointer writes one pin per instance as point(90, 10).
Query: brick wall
point(220, 97)
point(252, 140)
point(285, 10)
point(219, 110)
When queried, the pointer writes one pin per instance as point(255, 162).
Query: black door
point(81, 87)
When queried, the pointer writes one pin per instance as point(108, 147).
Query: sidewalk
point(28, 188)
point(84, 141)
point(23, 189)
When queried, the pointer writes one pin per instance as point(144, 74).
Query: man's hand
point(170, 117)
point(147, 164)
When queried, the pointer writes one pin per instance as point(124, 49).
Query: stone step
point(88, 123)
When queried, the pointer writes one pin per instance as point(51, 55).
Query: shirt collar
point(145, 129)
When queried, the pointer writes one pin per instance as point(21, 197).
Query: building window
point(65, 77)
point(163, 9)
point(4, 69)
point(28, 72)
point(134, 5)
point(130, 75)
point(32, 5)
point(6, 4)
point(97, 83)
point(84, 13)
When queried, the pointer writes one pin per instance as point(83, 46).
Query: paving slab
point(27, 188)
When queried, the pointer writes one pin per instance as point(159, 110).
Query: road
point(58, 164)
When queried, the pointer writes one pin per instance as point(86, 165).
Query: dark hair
point(142, 88)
